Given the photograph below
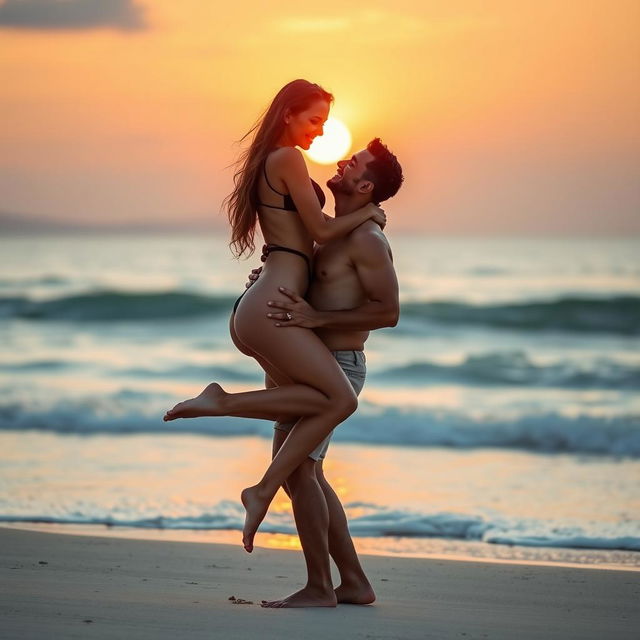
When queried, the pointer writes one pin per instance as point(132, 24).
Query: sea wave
point(514, 368)
point(371, 520)
point(619, 315)
point(500, 368)
point(130, 411)
point(195, 372)
point(116, 305)
point(43, 280)
point(199, 372)
point(36, 365)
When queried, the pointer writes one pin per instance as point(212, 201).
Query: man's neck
point(347, 204)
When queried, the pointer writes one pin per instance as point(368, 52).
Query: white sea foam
point(131, 411)
point(379, 521)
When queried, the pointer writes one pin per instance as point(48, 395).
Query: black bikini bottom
point(270, 248)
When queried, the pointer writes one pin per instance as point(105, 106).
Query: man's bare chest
point(332, 264)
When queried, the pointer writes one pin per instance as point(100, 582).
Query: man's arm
point(372, 260)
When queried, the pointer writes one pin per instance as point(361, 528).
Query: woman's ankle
point(264, 491)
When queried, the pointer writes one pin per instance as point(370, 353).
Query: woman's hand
point(377, 215)
point(253, 277)
point(297, 313)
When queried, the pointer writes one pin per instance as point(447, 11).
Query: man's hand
point(253, 276)
point(297, 313)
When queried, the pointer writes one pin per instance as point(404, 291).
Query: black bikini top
point(288, 203)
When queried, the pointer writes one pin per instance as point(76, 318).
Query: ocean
point(500, 418)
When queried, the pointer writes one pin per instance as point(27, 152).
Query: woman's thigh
point(278, 378)
point(295, 352)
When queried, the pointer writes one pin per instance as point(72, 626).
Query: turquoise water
point(502, 410)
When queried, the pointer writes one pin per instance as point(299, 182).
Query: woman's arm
point(322, 228)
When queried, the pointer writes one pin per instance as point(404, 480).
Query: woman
point(273, 188)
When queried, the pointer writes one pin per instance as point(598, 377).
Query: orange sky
point(508, 117)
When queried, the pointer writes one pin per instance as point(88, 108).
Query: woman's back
point(279, 219)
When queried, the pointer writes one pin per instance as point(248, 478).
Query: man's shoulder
point(368, 237)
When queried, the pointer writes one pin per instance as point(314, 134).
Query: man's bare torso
point(336, 286)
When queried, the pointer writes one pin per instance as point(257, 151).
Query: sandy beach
point(73, 586)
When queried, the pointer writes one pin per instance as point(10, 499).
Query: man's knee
point(326, 487)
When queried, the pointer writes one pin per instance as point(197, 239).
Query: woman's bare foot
point(208, 403)
point(355, 594)
point(256, 507)
point(307, 597)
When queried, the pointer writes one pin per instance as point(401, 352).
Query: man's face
point(348, 178)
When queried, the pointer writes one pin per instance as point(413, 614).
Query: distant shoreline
point(12, 225)
point(18, 225)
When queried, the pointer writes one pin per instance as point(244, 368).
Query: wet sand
point(73, 586)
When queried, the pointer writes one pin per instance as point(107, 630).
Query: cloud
point(384, 26)
point(71, 14)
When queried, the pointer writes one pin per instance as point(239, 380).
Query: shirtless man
point(354, 290)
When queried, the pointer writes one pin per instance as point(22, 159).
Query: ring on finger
point(288, 316)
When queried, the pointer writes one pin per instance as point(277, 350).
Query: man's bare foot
point(208, 403)
point(355, 594)
point(256, 507)
point(306, 597)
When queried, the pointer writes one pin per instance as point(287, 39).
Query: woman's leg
point(317, 385)
point(301, 356)
point(291, 400)
point(321, 394)
point(283, 400)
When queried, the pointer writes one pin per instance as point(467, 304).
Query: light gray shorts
point(353, 363)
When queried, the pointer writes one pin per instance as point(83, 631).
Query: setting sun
point(333, 145)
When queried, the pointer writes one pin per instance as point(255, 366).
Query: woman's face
point(303, 127)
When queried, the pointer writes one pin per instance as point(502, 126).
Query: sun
point(333, 145)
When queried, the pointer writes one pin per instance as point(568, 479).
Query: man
point(354, 290)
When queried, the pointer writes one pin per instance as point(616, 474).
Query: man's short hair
point(384, 171)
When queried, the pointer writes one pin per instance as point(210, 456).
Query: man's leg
point(312, 521)
point(354, 587)
point(320, 535)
